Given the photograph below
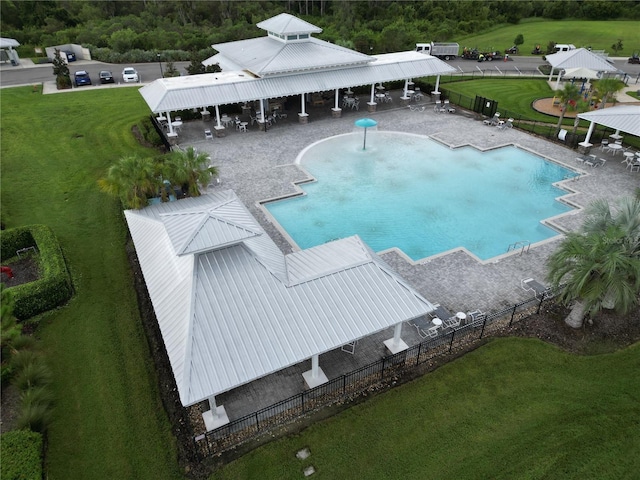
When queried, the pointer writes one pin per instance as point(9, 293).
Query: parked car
point(129, 74)
point(513, 50)
point(635, 58)
point(106, 77)
point(82, 78)
point(71, 57)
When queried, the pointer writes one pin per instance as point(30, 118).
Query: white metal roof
point(625, 118)
point(194, 91)
point(241, 309)
point(8, 43)
point(580, 58)
point(287, 24)
point(266, 56)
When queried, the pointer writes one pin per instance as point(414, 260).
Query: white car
point(129, 74)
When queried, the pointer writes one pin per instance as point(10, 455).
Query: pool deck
point(260, 165)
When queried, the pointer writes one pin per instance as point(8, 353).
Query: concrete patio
point(259, 165)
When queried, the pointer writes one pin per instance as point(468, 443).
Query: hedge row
point(54, 287)
point(21, 452)
point(108, 55)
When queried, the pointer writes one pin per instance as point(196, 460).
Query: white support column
point(303, 116)
point(336, 103)
point(336, 111)
point(589, 133)
point(218, 124)
point(558, 81)
point(262, 108)
point(373, 93)
point(396, 344)
point(437, 84)
point(406, 87)
point(169, 122)
point(216, 416)
point(315, 376)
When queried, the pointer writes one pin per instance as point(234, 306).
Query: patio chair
point(506, 125)
point(475, 316)
point(604, 144)
point(440, 312)
point(539, 290)
point(208, 135)
point(349, 347)
point(452, 322)
point(429, 332)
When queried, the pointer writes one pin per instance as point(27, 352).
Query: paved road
point(27, 73)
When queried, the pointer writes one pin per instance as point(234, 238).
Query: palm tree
point(190, 168)
point(133, 179)
point(569, 94)
point(600, 264)
point(607, 87)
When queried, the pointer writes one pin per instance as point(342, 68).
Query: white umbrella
point(581, 72)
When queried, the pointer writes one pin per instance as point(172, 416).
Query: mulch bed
point(24, 270)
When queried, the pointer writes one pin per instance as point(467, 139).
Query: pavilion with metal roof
point(288, 61)
point(233, 308)
point(623, 118)
point(578, 58)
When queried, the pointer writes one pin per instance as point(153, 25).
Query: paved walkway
point(261, 165)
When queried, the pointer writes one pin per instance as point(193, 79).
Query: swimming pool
point(415, 194)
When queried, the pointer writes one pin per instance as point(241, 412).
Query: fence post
point(302, 399)
point(382, 371)
point(453, 334)
point(419, 351)
point(513, 314)
point(257, 422)
point(484, 322)
point(540, 304)
point(344, 384)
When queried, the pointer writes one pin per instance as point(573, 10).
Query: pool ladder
point(523, 245)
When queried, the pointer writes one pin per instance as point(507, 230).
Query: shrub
point(55, 287)
point(21, 452)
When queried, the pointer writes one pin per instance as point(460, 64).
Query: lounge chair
point(539, 290)
point(475, 316)
point(349, 347)
point(493, 121)
point(506, 125)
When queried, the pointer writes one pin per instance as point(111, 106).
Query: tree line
point(370, 26)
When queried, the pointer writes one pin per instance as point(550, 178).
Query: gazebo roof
point(232, 308)
point(625, 118)
point(8, 43)
point(580, 58)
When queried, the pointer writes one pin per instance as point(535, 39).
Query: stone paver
point(261, 165)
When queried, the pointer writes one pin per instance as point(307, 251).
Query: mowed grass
point(512, 94)
point(109, 421)
point(600, 35)
point(515, 408)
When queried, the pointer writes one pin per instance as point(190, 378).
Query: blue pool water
point(415, 194)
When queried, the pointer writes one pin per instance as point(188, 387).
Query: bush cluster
point(21, 452)
point(54, 287)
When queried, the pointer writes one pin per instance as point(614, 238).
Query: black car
point(106, 77)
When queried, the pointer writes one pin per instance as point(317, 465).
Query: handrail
point(522, 244)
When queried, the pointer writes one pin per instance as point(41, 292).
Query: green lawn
point(600, 35)
point(516, 409)
point(109, 421)
point(512, 94)
point(513, 409)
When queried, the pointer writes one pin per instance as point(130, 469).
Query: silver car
point(129, 74)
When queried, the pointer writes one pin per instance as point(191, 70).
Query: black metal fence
point(381, 373)
point(547, 129)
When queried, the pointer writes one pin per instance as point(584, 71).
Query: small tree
point(519, 40)
point(568, 96)
point(551, 47)
point(607, 88)
point(616, 47)
point(133, 179)
point(189, 168)
point(61, 71)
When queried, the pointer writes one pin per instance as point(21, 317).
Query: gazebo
point(10, 54)
point(624, 118)
point(233, 308)
point(578, 58)
point(288, 61)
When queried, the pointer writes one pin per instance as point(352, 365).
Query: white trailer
point(446, 51)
